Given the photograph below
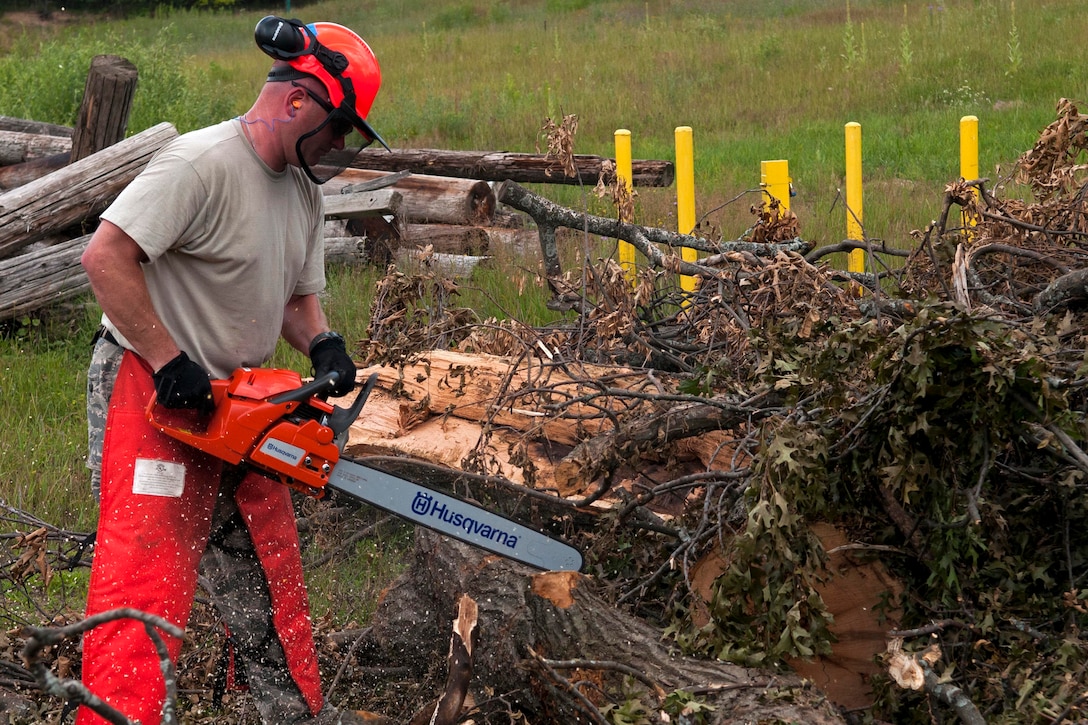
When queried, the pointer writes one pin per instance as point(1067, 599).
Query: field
point(755, 81)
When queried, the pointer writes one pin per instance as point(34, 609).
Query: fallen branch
point(38, 638)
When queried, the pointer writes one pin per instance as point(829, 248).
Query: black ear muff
point(281, 39)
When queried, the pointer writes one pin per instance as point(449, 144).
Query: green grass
point(42, 403)
point(756, 80)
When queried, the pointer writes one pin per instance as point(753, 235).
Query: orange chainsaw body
point(286, 439)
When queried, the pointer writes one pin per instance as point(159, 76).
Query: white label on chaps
point(158, 478)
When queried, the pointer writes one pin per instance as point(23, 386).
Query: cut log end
point(557, 587)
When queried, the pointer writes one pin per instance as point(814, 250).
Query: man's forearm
point(303, 320)
point(117, 280)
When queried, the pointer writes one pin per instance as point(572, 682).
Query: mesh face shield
point(317, 150)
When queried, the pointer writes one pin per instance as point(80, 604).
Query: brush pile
point(729, 458)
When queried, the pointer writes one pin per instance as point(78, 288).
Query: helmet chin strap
point(303, 164)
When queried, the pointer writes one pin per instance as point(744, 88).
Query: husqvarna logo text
point(425, 504)
point(282, 450)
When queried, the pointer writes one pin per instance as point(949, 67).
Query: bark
point(448, 238)
point(29, 282)
point(107, 101)
point(19, 146)
point(549, 216)
point(22, 125)
point(1067, 290)
point(12, 177)
point(503, 165)
point(430, 199)
point(76, 193)
point(540, 633)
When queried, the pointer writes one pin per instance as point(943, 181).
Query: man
point(200, 265)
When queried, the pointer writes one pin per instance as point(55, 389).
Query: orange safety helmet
point(334, 55)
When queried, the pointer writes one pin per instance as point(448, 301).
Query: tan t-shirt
point(229, 242)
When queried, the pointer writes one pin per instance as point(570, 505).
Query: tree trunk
point(502, 165)
point(542, 633)
point(107, 100)
point(78, 192)
point(430, 199)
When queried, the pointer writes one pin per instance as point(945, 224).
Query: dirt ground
point(34, 19)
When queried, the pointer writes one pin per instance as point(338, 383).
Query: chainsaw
point(267, 419)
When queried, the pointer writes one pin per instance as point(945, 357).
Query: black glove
point(328, 353)
point(182, 383)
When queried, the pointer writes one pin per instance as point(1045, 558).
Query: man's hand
point(328, 353)
point(182, 383)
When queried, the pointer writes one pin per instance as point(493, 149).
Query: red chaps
point(158, 498)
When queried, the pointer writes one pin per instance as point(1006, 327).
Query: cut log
point(76, 193)
point(363, 204)
point(375, 217)
point(395, 427)
point(430, 199)
point(503, 165)
point(22, 125)
point(854, 592)
point(542, 634)
point(17, 146)
point(506, 392)
point(447, 238)
point(12, 177)
point(346, 250)
point(35, 280)
point(104, 111)
point(453, 266)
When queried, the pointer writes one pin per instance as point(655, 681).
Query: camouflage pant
point(230, 571)
point(105, 359)
point(235, 581)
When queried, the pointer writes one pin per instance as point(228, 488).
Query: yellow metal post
point(623, 172)
point(969, 158)
point(685, 196)
point(774, 179)
point(853, 195)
